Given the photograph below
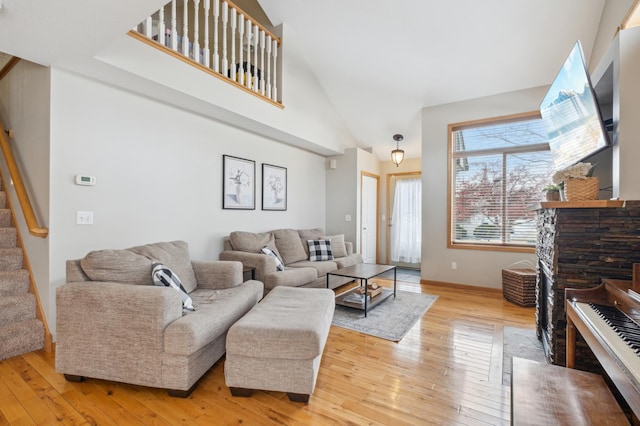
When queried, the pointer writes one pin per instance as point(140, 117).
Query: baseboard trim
point(491, 290)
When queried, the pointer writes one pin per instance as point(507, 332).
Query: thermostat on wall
point(85, 180)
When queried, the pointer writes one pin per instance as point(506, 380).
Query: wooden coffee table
point(363, 272)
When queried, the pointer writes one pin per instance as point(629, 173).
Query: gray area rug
point(519, 343)
point(390, 320)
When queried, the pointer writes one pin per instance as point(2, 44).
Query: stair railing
point(25, 203)
point(227, 33)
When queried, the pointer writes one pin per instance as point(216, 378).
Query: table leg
point(366, 287)
point(327, 280)
point(394, 282)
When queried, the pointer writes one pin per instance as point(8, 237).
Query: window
point(498, 168)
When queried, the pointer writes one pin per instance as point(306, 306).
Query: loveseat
point(113, 323)
point(291, 247)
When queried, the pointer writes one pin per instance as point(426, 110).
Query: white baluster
point(248, 77)
point(234, 25)
point(148, 25)
point(262, 62)
point(185, 29)
point(216, 16)
point(274, 90)
point(268, 67)
point(225, 18)
point(174, 27)
point(207, 6)
point(196, 31)
point(240, 65)
point(255, 58)
point(161, 26)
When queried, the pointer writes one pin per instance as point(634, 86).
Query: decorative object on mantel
point(397, 155)
point(577, 182)
point(552, 192)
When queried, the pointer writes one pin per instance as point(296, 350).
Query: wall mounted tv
point(571, 114)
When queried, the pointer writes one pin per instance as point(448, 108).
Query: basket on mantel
point(519, 286)
point(581, 189)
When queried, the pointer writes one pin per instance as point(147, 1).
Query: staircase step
point(14, 283)
point(10, 259)
point(21, 337)
point(5, 218)
point(17, 309)
point(8, 237)
point(3, 200)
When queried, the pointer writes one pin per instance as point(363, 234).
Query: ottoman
point(277, 345)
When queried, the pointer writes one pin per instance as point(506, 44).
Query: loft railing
point(222, 38)
point(29, 217)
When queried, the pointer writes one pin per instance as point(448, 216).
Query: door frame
point(389, 212)
point(377, 178)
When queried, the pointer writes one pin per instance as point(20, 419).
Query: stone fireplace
point(578, 246)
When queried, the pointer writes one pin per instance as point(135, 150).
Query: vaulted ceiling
point(379, 62)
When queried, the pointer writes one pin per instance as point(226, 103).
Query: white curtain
point(406, 229)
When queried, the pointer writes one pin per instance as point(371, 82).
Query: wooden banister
point(32, 223)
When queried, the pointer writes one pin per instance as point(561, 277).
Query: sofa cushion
point(121, 266)
point(321, 267)
point(319, 250)
point(310, 234)
point(252, 242)
point(289, 246)
point(175, 255)
point(163, 276)
point(216, 311)
point(270, 252)
point(338, 247)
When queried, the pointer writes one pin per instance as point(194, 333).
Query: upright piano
point(608, 318)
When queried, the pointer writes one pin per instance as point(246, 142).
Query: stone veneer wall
point(578, 247)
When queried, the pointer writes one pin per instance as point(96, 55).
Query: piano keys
point(607, 317)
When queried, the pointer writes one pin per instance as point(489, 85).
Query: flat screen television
point(571, 114)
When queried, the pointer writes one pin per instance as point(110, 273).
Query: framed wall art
point(274, 187)
point(238, 183)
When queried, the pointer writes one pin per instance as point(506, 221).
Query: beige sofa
point(291, 246)
point(114, 324)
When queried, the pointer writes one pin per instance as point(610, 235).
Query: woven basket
point(519, 286)
point(581, 189)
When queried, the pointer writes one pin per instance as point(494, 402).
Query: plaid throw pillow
point(319, 250)
point(162, 276)
point(269, 252)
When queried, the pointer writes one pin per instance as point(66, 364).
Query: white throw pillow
point(269, 252)
point(162, 276)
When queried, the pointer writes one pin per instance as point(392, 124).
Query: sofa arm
point(112, 330)
point(218, 274)
point(264, 264)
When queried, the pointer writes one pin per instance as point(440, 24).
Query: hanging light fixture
point(397, 155)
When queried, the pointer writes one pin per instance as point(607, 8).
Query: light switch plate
point(84, 218)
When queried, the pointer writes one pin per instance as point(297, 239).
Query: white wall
point(158, 171)
point(613, 14)
point(24, 107)
point(475, 267)
point(344, 192)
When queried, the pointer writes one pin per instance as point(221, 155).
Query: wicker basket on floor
point(581, 189)
point(519, 286)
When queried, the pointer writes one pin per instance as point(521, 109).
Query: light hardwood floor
point(447, 370)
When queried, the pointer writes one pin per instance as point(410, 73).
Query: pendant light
point(397, 155)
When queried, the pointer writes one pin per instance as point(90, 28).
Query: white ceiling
point(379, 62)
